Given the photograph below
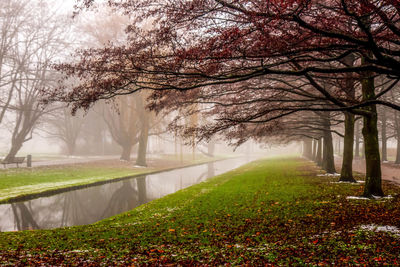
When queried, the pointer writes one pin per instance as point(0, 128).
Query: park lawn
point(19, 183)
point(269, 211)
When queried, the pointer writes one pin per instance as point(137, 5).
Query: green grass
point(269, 211)
point(20, 182)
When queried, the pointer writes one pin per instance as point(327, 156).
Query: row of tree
point(254, 68)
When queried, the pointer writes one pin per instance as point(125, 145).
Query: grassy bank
point(269, 211)
point(21, 182)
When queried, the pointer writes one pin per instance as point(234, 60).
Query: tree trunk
point(307, 151)
point(398, 149)
point(339, 146)
point(143, 139)
point(357, 134)
point(397, 130)
point(71, 147)
point(142, 151)
point(397, 124)
point(15, 147)
point(328, 157)
point(126, 152)
point(319, 152)
point(373, 179)
point(314, 151)
point(383, 135)
point(211, 147)
point(346, 174)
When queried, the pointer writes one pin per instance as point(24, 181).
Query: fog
point(114, 127)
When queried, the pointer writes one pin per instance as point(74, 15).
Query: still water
point(89, 205)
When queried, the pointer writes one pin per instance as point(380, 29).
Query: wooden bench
point(15, 160)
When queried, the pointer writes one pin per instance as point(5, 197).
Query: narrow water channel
point(92, 204)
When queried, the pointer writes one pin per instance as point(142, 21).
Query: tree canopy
point(250, 64)
point(189, 44)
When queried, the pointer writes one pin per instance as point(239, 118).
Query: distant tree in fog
point(13, 18)
point(123, 123)
point(40, 39)
point(128, 122)
point(65, 127)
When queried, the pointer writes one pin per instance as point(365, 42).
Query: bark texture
point(328, 158)
point(373, 179)
point(346, 174)
point(384, 134)
point(307, 148)
point(319, 152)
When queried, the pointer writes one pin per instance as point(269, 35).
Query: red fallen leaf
point(315, 241)
point(171, 230)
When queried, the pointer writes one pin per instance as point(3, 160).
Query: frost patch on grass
point(329, 174)
point(344, 182)
point(37, 188)
point(377, 228)
point(325, 233)
point(373, 197)
point(358, 198)
point(79, 251)
point(139, 166)
point(172, 209)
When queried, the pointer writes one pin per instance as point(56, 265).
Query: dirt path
point(390, 171)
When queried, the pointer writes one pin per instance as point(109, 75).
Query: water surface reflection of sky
point(89, 205)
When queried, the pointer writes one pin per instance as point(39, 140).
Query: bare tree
point(40, 41)
point(65, 127)
point(13, 18)
point(123, 124)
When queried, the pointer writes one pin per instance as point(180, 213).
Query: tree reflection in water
point(89, 205)
point(126, 197)
point(23, 218)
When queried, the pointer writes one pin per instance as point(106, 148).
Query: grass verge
point(266, 212)
point(23, 183)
